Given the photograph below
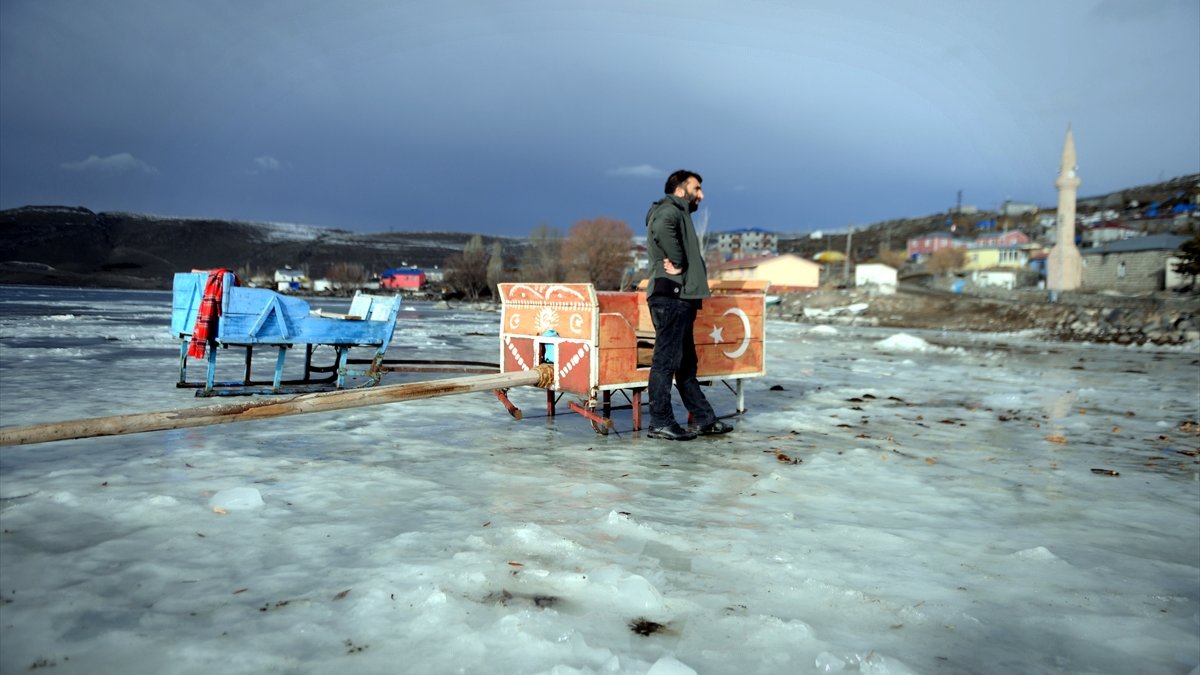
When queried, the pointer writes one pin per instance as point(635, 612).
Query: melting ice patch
point(236, 499)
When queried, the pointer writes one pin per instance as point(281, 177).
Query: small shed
point(878, 276)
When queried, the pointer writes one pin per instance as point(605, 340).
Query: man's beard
point(693, 205)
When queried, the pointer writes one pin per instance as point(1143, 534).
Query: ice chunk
point(632, 593)
point(636, 591)
point(669, 665)
point(878, 664)
point(1036, 553)
point(823, 330)
point(903, 342)
point(828, 663)
point(236, 498)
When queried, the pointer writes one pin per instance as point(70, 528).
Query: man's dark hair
point(679, 178)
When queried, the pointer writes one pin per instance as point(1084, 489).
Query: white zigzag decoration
point(512, 349)
point(570, 365)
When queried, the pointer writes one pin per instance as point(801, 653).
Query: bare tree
point(495, 269)
point(542, 261)
point(346, 276)
point(946, 260)
point(598, 251)
point(893, 258)
point(466, 272)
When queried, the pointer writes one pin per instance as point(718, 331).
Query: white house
point(995, 278)
point(1017, 208)
point(288, 279)
point(881, 277)
point(1106, 232)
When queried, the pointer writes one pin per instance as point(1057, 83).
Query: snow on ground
point(891, 502)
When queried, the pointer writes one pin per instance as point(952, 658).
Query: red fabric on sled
point(205, 330)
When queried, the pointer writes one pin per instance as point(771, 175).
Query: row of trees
point(597, 250)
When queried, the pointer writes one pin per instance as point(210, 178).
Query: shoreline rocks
point(1097, 319)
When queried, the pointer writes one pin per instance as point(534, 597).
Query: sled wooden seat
point(645, 347)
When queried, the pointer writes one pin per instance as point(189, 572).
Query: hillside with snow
point(59, 245)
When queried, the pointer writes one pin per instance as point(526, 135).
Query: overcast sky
point(498, 116)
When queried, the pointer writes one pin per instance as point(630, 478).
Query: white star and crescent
point(718, 336)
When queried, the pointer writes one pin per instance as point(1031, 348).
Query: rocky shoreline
point(1095, 318)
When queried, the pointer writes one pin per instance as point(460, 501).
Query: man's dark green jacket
point(671, 235)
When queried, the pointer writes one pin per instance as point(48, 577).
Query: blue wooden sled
point(255, 316)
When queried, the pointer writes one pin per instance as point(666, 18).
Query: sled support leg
point(502, 396)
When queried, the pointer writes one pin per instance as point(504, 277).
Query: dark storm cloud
point(499, 116)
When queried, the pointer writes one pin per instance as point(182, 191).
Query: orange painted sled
point(601, 342)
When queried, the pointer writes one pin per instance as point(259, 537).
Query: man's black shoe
point(671, 432)
point(713, 428)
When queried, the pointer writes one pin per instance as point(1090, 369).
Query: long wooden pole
point(262, 409)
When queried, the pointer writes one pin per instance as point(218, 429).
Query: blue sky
point(495, 117)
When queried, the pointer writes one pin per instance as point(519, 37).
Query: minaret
point(1064, 267)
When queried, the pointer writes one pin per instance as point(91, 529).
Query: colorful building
point(926, 245)
point(992, 257)
point(406, 279)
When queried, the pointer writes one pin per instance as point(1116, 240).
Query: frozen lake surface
point(891, 502)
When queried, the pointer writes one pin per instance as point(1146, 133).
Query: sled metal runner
point(601, 343)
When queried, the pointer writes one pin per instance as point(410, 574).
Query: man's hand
point(671, 268)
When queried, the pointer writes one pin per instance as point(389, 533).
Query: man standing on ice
point(678, 285)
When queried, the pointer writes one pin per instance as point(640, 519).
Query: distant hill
point(62, 245)
point(59, 245)
point(867, 241)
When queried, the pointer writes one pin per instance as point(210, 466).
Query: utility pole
point(702, 229)
point(846, 262)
